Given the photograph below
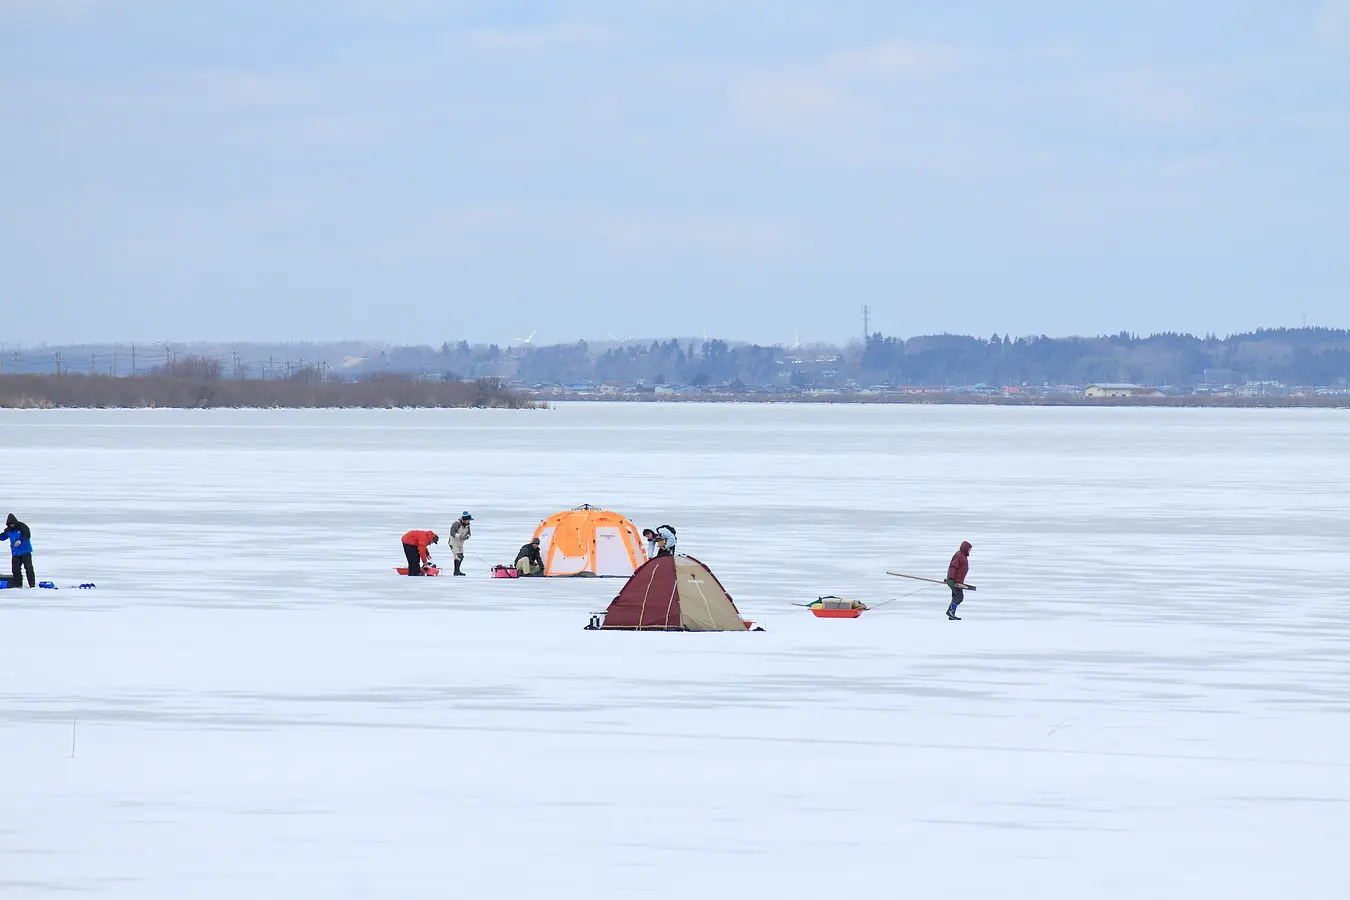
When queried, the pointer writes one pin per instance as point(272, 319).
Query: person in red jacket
point(415, 544)
point(957, 570)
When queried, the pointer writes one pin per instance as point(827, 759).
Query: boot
point(457, 571)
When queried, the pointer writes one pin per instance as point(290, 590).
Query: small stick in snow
point(73, 723)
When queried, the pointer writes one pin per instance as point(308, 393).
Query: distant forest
point(1306, 356)
point(197, 384)
point(1291, 356)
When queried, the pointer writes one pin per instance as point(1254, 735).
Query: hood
point(965, 547)
point(11, 521)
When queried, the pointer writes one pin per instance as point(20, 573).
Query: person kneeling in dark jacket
point(528, 560)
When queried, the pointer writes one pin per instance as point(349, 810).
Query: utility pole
point(114, 366)
point(133, 360)
point(867, 323)
point(91, 364)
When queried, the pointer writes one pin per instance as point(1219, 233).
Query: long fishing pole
point(968, 587)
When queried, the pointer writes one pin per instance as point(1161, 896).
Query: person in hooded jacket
point(20, 551)
point(957, 570)
point(416, 547)
point(460, 531)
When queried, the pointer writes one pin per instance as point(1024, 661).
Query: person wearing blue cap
point(459, 533)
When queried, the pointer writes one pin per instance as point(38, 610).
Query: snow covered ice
point(1147, 696)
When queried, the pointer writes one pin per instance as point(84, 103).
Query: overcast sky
point(423, 171)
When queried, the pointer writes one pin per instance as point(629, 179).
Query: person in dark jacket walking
point(529, 561)
point(20, 551)
point(957, 570)
point(416, 548)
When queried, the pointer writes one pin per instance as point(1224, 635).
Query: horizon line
point(11, 347)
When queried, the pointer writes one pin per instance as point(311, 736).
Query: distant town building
point(1121, 390)
point(1262, 389)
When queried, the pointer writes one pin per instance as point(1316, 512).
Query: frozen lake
point(1149, 695)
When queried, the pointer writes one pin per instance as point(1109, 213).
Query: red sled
point(429, 570)
point(505, 572)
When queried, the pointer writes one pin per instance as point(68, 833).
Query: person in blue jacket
point(20, 551)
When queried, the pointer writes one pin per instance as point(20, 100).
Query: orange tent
point(590, 541)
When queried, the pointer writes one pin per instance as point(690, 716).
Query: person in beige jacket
point(459, 533)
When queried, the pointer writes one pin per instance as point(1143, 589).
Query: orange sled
point(833, 607)
point(820, 613)
point(429, 570)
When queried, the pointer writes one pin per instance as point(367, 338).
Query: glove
point(950, 582)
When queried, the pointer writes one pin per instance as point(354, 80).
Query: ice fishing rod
point(968, 587)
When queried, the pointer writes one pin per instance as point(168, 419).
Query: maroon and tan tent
point(673, 593)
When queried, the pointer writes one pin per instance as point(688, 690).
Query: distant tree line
point(1298, 356)
point(1307, 356)
point(1293, 356)
point(193, 387)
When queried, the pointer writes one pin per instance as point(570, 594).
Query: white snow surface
point(1148, 695)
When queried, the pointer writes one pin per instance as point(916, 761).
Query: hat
point(534, 540)
point(465, 515)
